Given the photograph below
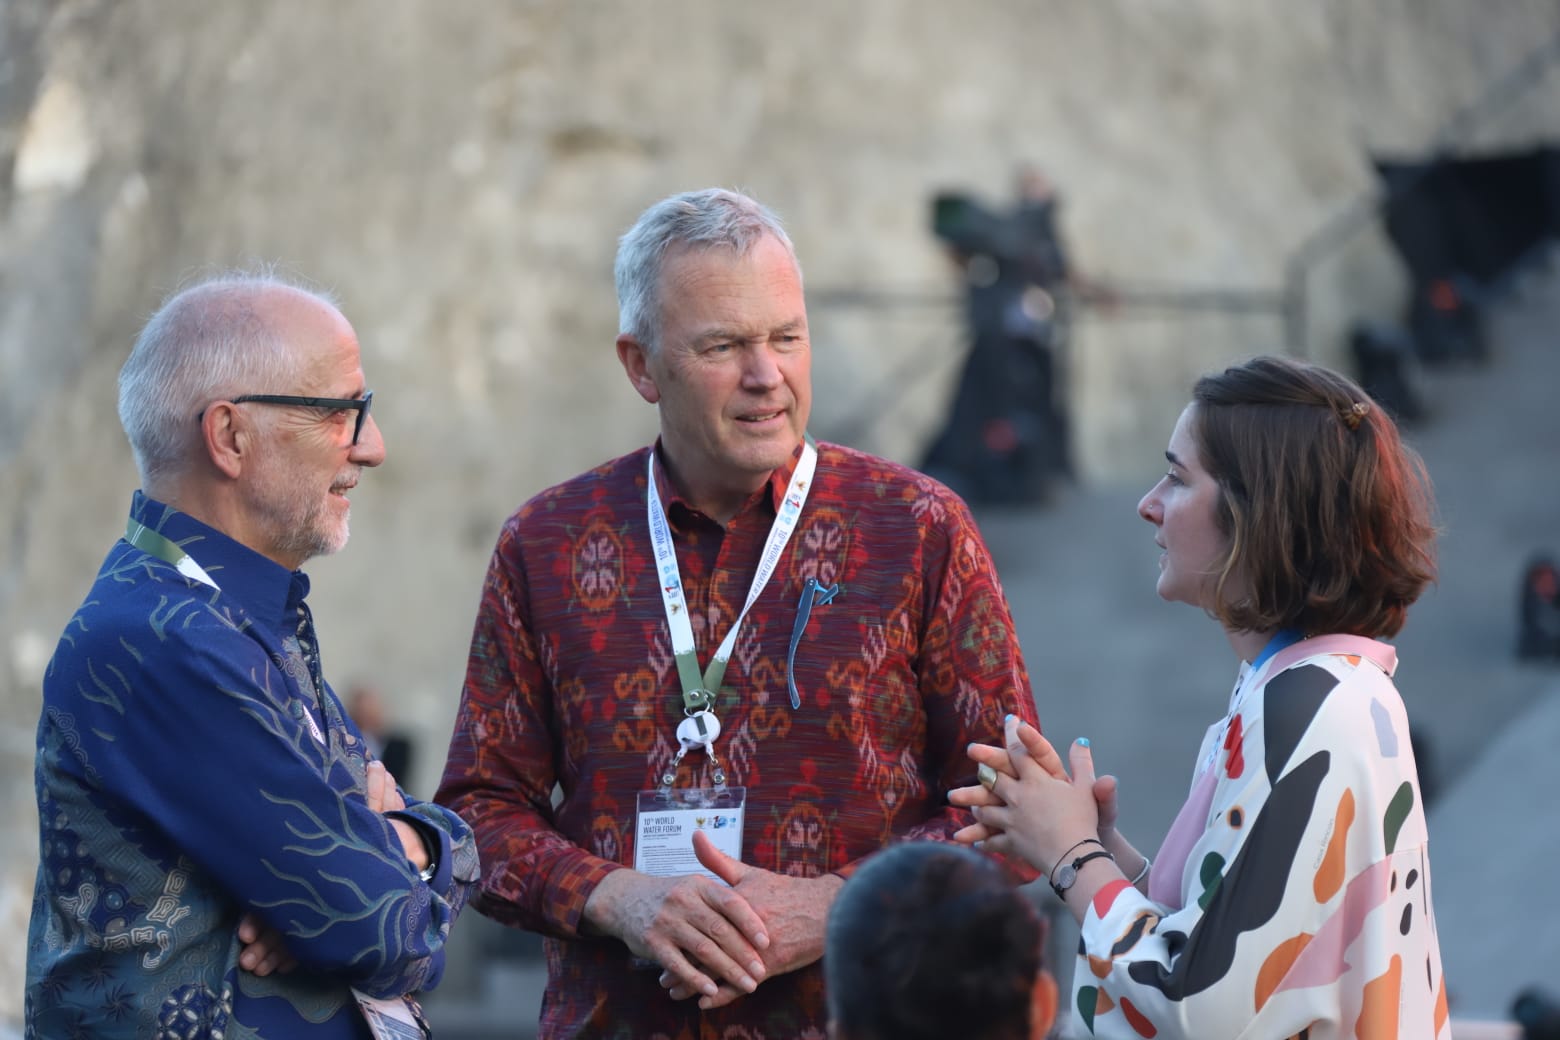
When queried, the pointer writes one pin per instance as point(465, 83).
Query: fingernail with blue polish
point(1083, 741)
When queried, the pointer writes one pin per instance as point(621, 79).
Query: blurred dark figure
point(928, 941)
point(1447, 317)
point(1464, 225)
point(389, 745)
point(1538, 612)
point(1538, 1014)
point(1007, 434)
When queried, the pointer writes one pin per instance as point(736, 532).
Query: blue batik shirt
point(189, 771)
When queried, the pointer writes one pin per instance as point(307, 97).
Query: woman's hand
point(1133, 863)
point(1023, 741)
point(1032, 809)
point(1105, 799)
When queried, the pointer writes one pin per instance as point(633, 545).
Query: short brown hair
point(1327, 511)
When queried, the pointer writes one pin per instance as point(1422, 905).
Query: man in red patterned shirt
point(740, 661)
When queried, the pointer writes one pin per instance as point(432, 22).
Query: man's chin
point(772, 449)
point(337, 540)
point(326, 542)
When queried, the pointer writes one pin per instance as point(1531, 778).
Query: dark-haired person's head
point(929, 940)
point(1328, 514)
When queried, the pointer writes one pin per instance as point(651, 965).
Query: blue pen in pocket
point(812, 593)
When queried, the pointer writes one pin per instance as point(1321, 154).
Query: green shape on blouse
point(1212, 876)
point(1397, 812)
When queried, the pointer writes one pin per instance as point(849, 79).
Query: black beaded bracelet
point(1063, 857)
point(1067, 873)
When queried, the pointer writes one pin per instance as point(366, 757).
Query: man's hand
point(384, 795)
point(793, 909)
point(698, 930)
point(264, 949)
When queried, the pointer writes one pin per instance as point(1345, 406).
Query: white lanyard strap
point(149, 541)
point(699, 692)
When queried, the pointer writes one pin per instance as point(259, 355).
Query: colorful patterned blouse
point(187, 773)
point(572, 682)
point(1303, 908)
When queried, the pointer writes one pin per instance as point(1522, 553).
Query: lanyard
point(1283, 638)
point(699, 691)
point(149, 541)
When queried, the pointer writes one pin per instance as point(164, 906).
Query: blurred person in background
point(219, 853)
point(691, 740)
point(1291, 896)
point(929, 941)
point(1007, 437)
point(366, 707)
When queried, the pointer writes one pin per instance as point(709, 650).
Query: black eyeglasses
point(359, 404)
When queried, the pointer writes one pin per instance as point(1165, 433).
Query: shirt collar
point(264, 587)
point(1282, 638)
point(779, 479)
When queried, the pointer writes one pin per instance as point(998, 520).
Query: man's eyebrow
point(718, 334)
point(721, 333)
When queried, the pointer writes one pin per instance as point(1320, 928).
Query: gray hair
point(206, 342)
point(708, 219)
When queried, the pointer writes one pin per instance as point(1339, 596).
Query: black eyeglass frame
point(359, 404)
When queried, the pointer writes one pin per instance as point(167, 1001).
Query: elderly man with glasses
point(220, 855)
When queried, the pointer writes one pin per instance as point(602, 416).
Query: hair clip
point(1354, 413)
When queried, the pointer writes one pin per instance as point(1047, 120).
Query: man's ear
point(1042, 1006)
point(636, 362)
point(226, 438)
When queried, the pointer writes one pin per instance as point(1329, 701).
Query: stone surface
point(459, 174)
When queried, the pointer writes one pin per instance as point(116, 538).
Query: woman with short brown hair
point(1291, 896)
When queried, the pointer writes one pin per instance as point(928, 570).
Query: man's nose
point(370, 447)
point(762, 368)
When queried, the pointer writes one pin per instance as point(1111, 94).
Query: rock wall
point(458, 173)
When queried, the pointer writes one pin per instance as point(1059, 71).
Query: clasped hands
point(265, 948)
point(1034, 809)
point(712, 940)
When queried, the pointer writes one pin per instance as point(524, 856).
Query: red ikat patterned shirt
point(571, 681)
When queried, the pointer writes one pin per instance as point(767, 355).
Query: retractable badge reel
point(699, 730)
